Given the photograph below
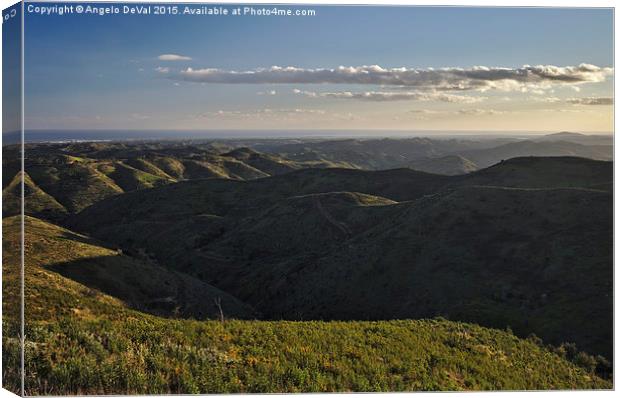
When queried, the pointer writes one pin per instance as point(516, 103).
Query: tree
point(218, 304)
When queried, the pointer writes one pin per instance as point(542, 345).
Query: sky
point(384, 68)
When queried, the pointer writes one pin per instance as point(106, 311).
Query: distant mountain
point(517, 244)
point(584, 139)
point(446, 165)
point(377, 154)
point(551, 172)
point(488, 157)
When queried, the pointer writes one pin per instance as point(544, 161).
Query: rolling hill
point(77, 175)
point(435, 155)
point(312, 244)
point(337, 265)
point(445, 165)
point(585, 139)
point(490, 156)
point(81, 340)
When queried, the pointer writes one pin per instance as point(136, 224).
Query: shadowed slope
point(296, 246)
point(139, 283)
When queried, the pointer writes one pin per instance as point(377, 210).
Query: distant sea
point(139, 135)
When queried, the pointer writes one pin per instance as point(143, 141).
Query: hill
point(488, 157)
point(548, 172)
point(446, 165)
point(377, 154)
point(585, 139)
point(269, 164)
point(77, 175)
point(138, 281)
point(307, 245)
point(82, 341)
point(36, 201)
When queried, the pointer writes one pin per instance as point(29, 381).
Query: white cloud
point(423, 111)
point(576, 100)
point(551, 100)
point(263, 112)
point(480, 112)
point(270, 92)
point(381, 96)
point(591, 101)
point(426, 114)
point(173, 57)
point(162, 69)
point(481, 78)
point(277, 114)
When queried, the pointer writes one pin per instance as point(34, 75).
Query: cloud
point(591, 101)
point(263, 112)
point(425, 114)
point(278, 114)
point(481, 78)
point(173, 57)
point(381, 96)
point(423, 111)
point(480, 112)
point(162, 69)
point(550, 100)
point(270, 92)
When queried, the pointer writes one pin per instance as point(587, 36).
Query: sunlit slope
point(75, 176)
point(36, 201)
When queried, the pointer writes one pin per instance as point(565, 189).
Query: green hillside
point(300, 248)
point(82, 341)
point(66, 178)
point(331, 269)
point(36, 201)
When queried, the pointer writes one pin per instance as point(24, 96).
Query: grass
point(141, 354)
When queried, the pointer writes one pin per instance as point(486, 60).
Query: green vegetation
point(36, 202)
point(82, 341)
point(518, 255)
point(213, 267)
point(141, 355)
